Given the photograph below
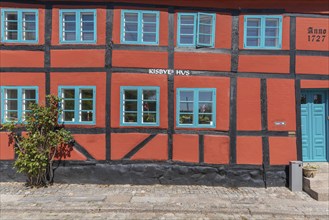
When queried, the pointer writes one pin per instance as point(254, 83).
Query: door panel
point(313, 119)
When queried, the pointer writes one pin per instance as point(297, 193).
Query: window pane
point(303, 99)
point(11, 15)
point(130, 106)
point(29, 16)
point(149, 94)
point(87, 17)
point(317, 99)
point(12, 26)
point(205, 108)
point(187, 29)
point(185, 119)
point(205, 96)
point(149, 37)
point(271, 22)
point(130, 36)
point(253, 32)
point(87, 93)
point(186, 107)
point(12, 116)
point(149, 117)
point(149, 106)
point(271, 32)
point(11, 35)
point(68, 105)
point(204, 39)
point(149, 27)
point(187, 19)
point(69, 17)
point(28, 104)
point(271, 42)
point(131, 17)
point(254, 22)
point(69, 36)
point(29, 36)
point(131, 27)
point(87, 26)
point(87, 116)
point(187, 39)
point(130, 94)
point(130, 117)
point(30, 93)
point(205, 29)
point(12, 105)
point(69, 93)
point(205, 19)
point(68, 116)
point(253, 42)
point(69, 26)
point(29, 26)
point(186, 95)
point(149, 17)
point(87, 105)
point(87, 36)
point(205, 119)
point(11, 93)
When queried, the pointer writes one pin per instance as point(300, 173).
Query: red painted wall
point(156, 149)
point(6, 150)
point(312, 65)
point(93, 143)
point(16, 58)
point(282, 150)
point(77, 58)
point(281, 104)
point(216, 149)
point(248, 104)
point(264, 64)
point(249, 150)
point(186, 148)
point(314, 84)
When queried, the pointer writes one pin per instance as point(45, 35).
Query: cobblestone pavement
point(73, 201)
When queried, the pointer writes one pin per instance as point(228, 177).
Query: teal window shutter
point(206, 29)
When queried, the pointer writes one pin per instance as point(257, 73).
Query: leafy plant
point(44, 142)
point(309, 166)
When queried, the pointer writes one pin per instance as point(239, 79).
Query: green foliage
point(45, 141)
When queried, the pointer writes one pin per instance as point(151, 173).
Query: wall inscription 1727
point(316, 34)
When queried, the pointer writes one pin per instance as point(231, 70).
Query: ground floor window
point(78, 104)
point(196, 107)
point(15, 102)
point(139, 106)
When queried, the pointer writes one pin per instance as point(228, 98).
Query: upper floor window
point(78, 104)
point(19, 25)
point(262, 32)
point(139, 27)
point(139, 106)
point(196, 107)
point(15, 102)
point(196, 29)
point(77, 26)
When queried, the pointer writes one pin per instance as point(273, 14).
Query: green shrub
point(45, 142)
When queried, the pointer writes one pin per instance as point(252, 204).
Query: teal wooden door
point(314, 134)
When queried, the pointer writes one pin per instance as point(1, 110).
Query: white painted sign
point(170, 72)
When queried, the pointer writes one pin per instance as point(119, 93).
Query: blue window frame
point(78, 104)
point(196, 29)
point(196, 107)
point(139, 106)
point(15, 102)
point(19, 25)
point(262, 32)
point(77, 26)
point(139, 27)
